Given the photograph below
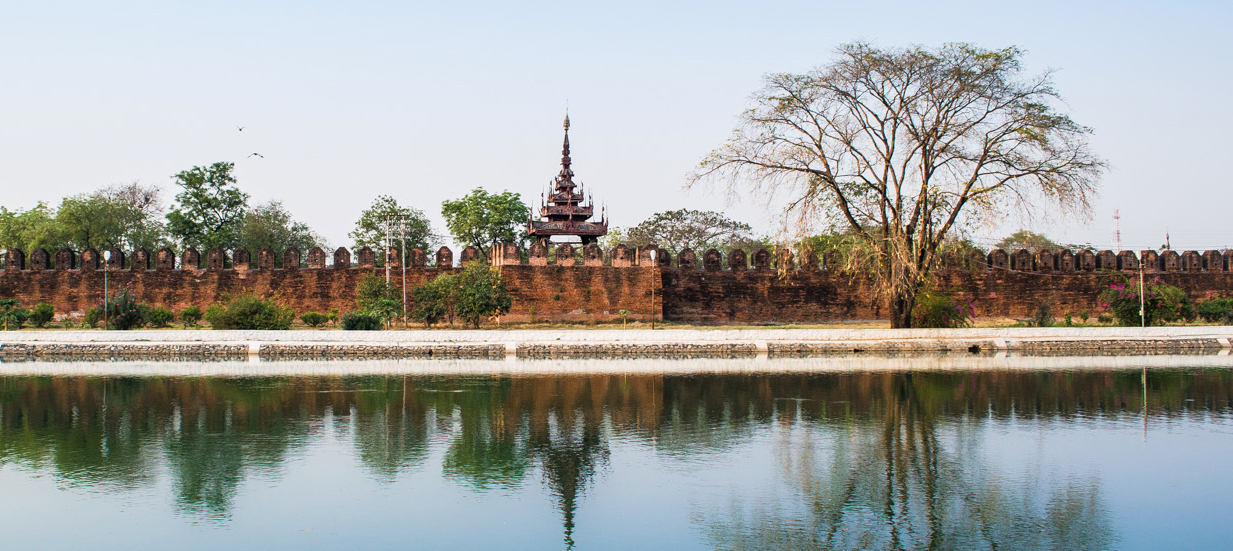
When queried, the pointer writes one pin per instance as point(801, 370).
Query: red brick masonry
point(1002, 284)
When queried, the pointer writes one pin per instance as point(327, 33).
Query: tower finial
point(567, 119)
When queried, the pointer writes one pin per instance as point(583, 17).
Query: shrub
point(361, 321)
point(375, 297)
point(1042, 316)
point(41, 314)
point(121, 311)
point(190, 316)
point(624, 316)
point(373, 288)
point(160, 317)
point(480, 294)
point(1217, 310)
point(12, 315)
point(388, 309)
point(332, 317)
point(92, 317)
point(1162, 303)
point(937, 309)
point(433, 301)
point(313, 319)
point(249, 311)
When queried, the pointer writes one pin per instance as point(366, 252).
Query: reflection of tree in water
point(883, 481)
point(63, 424)
point(391, 434)
point(485, 451)
point(879, 465)
point(219, 431)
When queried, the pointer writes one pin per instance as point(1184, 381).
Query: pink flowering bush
point(1162, 303)
point(939, 309)
point(121, 310)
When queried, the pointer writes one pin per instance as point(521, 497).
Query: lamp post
point(106, 304)
point(654, 264)
point(1142, 301)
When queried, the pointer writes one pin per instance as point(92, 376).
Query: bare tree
point(143, 198)
point(900, 146)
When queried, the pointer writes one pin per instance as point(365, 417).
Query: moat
point(631, 454)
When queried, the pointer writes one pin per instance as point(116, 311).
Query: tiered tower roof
point(566, 209)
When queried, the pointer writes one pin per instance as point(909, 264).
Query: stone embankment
point(673, 343)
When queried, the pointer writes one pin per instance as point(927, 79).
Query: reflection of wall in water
point(215, 431)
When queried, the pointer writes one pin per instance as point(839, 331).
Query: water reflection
point(884, 481)
point(863, 460)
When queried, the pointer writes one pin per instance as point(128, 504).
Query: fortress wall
point(707, 288)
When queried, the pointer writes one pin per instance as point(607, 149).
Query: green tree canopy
point(1024, 239)
point(208, 212)
point(126, 216)
point(31, 229)
point(270, 225)
point(95, 221)
point(481, 219)
point(698, 230)
point(370, 228)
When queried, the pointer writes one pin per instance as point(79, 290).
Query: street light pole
point(1142, 301)
point(654, 264)
point(106, 303)
point(402, 253)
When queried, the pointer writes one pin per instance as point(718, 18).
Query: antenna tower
point(1117, 230)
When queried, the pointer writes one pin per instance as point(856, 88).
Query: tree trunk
point(901, 310)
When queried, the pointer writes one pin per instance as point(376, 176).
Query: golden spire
point(567, 120)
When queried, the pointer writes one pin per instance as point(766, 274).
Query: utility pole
point(388, 243)
point(398, 225)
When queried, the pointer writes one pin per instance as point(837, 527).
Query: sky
point(426, 101)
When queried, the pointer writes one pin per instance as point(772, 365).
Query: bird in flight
point(255, 155)
point(240, 128)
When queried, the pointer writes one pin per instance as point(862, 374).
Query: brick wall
point(741, 288)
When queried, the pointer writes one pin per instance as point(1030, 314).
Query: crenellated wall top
point(621, 256)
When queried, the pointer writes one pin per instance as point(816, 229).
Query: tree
point(481, 219)
point(208, 211)
point(433, 301)
point(143, 198)
point(480, 293)
point(900, 146)
point(1024, 239)
point(376, 297)
point(88, 221)
point(474, 295)
point(370, 228)
point(693, 229)
point(270, 225)
point(31, 229)
point(143, 227)
point(12, 315)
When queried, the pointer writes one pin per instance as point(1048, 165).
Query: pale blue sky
point(348, 100)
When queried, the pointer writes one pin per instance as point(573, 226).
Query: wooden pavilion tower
point(566, 211)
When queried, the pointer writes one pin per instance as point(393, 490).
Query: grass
point(640, 325)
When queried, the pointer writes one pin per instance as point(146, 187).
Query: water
point(963, 458)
